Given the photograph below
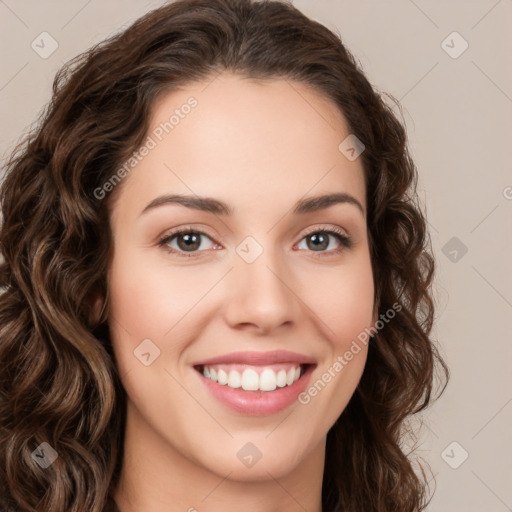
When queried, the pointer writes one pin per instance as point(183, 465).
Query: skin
point(259, 146)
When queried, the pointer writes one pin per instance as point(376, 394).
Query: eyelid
point(325, 227)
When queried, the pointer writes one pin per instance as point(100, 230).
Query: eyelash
point(345, 241)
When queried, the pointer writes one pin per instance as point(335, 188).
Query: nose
point(261, 295)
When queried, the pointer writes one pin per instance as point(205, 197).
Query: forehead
point(249, 142)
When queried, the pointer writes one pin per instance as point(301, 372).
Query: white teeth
point(281, 379)
point(250, 380)
point(222, 377)
point(234, 379)
point(268, 380)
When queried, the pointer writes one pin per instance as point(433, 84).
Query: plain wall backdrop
point(448, 62)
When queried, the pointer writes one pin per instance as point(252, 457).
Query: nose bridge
point(261, 287)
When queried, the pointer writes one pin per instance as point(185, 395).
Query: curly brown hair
point(59, 382)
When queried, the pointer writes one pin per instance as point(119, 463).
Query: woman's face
point(257, 275)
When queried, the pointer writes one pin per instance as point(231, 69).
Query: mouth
point(255, 378)
point(255, 383)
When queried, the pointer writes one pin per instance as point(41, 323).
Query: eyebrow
point(208, 204)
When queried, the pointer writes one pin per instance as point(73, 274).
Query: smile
point(254, 378)
point(255, 383)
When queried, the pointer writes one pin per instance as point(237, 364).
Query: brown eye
point(320, 241)
point(317, 241)
point(185, 241)
point(188, 241)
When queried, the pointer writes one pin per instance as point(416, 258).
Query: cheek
point(342, 301)
point(147, 298)
point(343, 306)
point(151, 300)
point(139, 306)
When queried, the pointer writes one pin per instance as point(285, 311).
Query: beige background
point(458, 113)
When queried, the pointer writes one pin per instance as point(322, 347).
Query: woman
point(217, 278)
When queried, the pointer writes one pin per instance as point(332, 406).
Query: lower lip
point(258, 403)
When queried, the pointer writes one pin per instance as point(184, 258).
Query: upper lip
point(258, 358)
